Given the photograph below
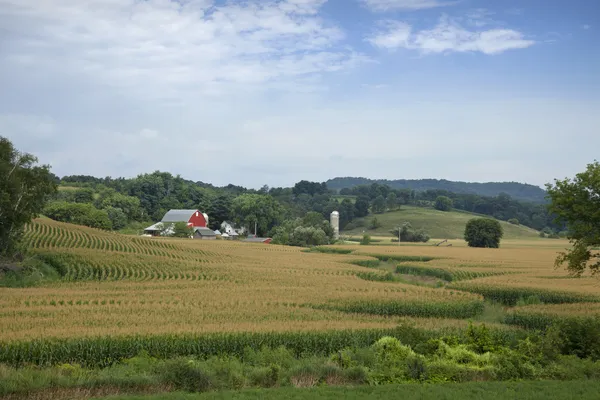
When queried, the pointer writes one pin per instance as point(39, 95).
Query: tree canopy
point(24, 189)
point(483, 232)
point(443, 203)
point(576, 202)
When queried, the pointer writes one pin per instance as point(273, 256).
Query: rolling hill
point(438, 224)
point(516, 190)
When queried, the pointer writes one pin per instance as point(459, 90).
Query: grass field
point(438, 224)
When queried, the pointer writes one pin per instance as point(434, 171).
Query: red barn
point(194, 218)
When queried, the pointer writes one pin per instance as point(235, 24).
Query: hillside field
point(438, 224)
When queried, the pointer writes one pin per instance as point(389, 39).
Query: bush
point(375, 223)
point(483, 232)
point(513, 221)
point(184, 375)
point(366, 239)
point(408, 234)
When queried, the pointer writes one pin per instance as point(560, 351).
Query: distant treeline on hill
point(518, 191)
point(120, 203)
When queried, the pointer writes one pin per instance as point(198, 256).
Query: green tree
point(219, 211)
point(117, 217)
point(392, 201)
point(248, 209)
point(78, 213)
point(361, 206)
point(24, 189)
point(576, 203)
point(128, 204)
point(443, 203)
point(483, 232)
point(346, 212)
point(85, 195)
point(378, 205)
point(182, 230)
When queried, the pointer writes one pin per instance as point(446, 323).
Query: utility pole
point(255, 228)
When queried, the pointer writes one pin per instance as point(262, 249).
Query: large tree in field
point(576, 203)
point(483, 232)
point(24, 189)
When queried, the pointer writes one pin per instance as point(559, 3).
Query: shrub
point(366, 239)
point(375, 223)
point(513, 221)
point(408, 234)
point(184, 375)
point(483, 232)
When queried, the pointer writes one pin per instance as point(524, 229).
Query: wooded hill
point(518, 191)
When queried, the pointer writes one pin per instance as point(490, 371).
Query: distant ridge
point(516, 190)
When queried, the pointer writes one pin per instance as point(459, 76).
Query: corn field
point(115, 291)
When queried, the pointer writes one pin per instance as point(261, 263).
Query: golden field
point(115, 285)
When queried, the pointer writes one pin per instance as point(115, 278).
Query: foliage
point(443, 203)
point(310, 188)
point(312, 230)
point(182, 230)
point(374, 224)
point(379, 205)
point(117, 217)
point(24, 189)
point(513, 221)
point(576, 202)
point(361, 206)
point(248, 209)
point(78, 213)
point(366, 239)
point(392, 201)
point(483, 232)
point(408, 234)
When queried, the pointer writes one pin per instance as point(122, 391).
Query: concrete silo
point(335, 224)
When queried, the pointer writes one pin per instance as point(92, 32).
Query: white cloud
point(390, 5)
point(165, 46)
point(393, 35)
point(448, 36)
point(586, 27)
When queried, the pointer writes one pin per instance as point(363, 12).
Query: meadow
point(116, 295)
point(438, 224)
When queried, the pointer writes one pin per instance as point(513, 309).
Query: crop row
point(457, 308)
point(510, 296)
point(447, 275)
point(105, 351)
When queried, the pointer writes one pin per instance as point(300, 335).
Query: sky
point(271, 92)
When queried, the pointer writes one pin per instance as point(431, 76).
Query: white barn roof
point(178, 215)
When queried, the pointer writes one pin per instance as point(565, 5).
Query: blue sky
point(271, 92)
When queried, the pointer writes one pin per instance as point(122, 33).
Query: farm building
point(193, 218)
point(204, 233)
point(258, 240)
point(228, 228)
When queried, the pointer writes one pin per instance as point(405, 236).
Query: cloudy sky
point(260, 92)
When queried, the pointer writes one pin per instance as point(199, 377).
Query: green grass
point(438, 224)
point(526, 390)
